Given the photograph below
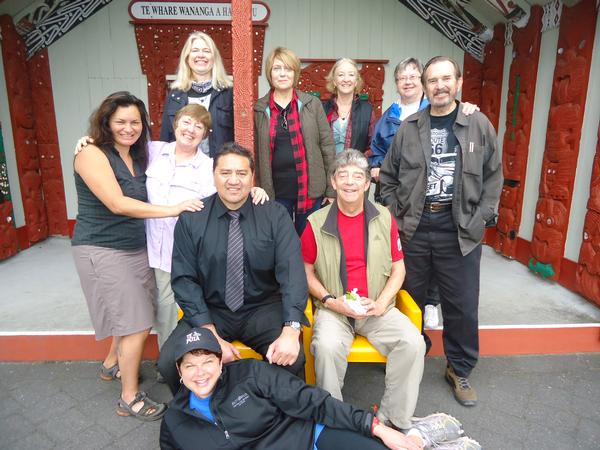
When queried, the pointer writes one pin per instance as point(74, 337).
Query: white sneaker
point(462, 443)
point(437, 428)
point(431, 318)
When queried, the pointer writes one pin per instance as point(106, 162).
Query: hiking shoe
point(430, 317)
point(463, 392)
point(463, 443)
point(437, 428)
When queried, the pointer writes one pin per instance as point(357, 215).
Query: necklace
point(345, 112)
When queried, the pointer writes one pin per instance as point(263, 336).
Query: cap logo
point(192, 337)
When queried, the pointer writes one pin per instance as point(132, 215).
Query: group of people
point(180, 223)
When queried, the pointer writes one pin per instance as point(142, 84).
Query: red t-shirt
point(353, 239)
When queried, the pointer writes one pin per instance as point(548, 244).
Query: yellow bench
point(245, 351)
point(361, 351)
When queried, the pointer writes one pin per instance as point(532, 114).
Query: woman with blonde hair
point(293, 141)
point(201, 78)
point(352, 118)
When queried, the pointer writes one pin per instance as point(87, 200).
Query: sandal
point(149, 411)
point(109, 374)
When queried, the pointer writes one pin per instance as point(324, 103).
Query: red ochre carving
point(48, 149)
point(472, 80)
point(8, 232)
point(312, 79)
point(492, 73)
point(244, 86)
point(159, 46)
point(571, 74)
point(526, 50)
point(19, 91)
point(588, 268)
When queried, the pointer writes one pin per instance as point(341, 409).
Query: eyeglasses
point(411, 78)
point(284, 122)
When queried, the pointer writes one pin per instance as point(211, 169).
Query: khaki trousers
point(394, 336)
point(166, 308)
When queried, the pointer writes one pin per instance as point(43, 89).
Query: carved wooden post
point(243, 86)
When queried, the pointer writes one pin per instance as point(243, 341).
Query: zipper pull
point(226, 435)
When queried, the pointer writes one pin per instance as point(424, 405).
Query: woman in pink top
point(177, 171)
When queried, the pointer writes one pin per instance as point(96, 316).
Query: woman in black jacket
point(249, 404)
point(201, 78)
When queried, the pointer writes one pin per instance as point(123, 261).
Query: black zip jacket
point(221, 113)
point(258, 406)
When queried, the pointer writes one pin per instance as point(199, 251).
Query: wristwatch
point(293, 324)
point(327, 297)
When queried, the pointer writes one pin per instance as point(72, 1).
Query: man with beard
point(442, 180)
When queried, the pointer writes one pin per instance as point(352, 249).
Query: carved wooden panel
point(312, 79)
point(588, 268)
point(20, 100)
point(472, 80)
point(491, 80)
point(47, 139)
point(8, 232)
point(245, 86)
point(159, 46)
point(569, 89)
point(519, 113)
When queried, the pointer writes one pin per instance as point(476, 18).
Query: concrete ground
point(532, 402)
point(41, 293)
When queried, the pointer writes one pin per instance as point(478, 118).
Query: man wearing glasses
point(353, 245)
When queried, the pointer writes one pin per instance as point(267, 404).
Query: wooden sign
point(190, 11)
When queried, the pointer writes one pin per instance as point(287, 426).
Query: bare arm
point(318, 291)
point(93, 166)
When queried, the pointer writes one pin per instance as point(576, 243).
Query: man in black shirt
point(272, 289)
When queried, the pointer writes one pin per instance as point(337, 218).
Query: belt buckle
point(436, 207)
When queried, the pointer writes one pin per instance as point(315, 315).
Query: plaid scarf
point(297, 141)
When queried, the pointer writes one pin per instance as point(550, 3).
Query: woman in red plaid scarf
point(293, 141)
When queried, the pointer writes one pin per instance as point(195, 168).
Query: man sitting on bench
point(353, 245)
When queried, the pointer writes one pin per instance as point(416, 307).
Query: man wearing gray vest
point(353, 245)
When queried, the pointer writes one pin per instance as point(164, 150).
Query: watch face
point(293, 324)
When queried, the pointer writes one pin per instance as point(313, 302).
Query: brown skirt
point(119, 288)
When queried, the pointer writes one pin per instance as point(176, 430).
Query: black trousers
point(256, 327)
point(433, 253)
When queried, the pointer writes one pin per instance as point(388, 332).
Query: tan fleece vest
point(379, 258)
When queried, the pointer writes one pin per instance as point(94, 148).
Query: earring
point(181, 380)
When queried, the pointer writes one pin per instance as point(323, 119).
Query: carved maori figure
point(48, 149)
point(472, 79)
point(588, 268)
point(569, 90)
point(491, 84)
point(23, 125)
point(519, 112)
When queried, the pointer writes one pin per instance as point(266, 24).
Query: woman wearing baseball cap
point(251, 404)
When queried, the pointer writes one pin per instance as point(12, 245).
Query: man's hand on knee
point(229, 351)
point(285, 349)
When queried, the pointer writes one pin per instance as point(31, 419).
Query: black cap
point(197, 339)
